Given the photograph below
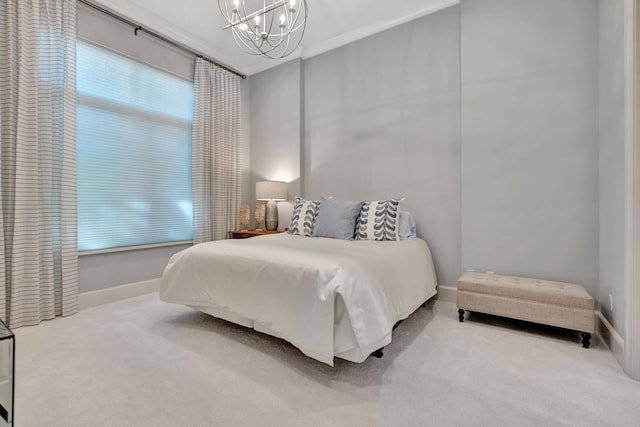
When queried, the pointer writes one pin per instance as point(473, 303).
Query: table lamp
point(271, 191)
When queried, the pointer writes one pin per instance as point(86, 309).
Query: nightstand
point(245, 234)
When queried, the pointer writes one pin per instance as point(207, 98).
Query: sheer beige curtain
point(38, 249)
point(215, 152)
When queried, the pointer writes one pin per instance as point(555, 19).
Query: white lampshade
point(271, 190)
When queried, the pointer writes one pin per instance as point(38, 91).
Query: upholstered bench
point(564, 305)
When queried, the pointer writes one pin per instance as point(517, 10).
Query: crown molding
point(371, 29)
point(265, 65)
point(160, 25)
point(309, 51)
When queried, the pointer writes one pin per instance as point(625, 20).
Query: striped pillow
point(379, 220)
point(303, 217)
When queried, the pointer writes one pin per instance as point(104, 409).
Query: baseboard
point(117, 293)
point(610, 337)
point(447, 293)
point(605, 331)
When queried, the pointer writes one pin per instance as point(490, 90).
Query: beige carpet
point(141, 362)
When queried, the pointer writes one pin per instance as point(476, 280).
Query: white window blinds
point(133, 152)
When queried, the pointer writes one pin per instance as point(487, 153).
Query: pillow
point(303, 217)
point(379, 220)
point(407, 226)
point(336, 219)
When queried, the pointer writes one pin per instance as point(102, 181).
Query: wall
point(611, 159)
point(245, 144)
point(382, 119)
point(100, 271)
point(530, 138)
point(500, 172)
point(275, 131)
point(632, 145)
point(99, 28)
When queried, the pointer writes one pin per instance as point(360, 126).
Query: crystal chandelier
point(274, 31)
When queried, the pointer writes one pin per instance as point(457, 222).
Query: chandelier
point(274, 31)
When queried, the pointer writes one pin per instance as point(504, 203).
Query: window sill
point(134, 248)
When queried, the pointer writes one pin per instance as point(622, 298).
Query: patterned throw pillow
point(379, 220)
point(303, 217)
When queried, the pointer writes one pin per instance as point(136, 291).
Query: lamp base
point(271, 216)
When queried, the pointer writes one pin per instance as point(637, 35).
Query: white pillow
point(303, 217)
point(379, 220)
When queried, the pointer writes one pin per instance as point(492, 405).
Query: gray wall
point(245, 135)
point(99, 28)
point(520, 185)
point(530, 138)
point(107, 270)
point(611, 156)
point(382, 120)
point(513, 186)
point(275, 131)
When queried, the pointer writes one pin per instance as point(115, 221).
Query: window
point(133, 152)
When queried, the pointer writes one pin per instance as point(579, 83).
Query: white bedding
point(326, 296)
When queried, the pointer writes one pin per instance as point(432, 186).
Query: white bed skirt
point(345, 343)
point(328, 297)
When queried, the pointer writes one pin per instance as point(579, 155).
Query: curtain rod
point(137, 28)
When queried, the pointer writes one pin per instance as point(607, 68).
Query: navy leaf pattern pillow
point(303, 217)
point(379, 220)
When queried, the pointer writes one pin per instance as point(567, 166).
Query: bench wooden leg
point(461, 315)
point(586, 339)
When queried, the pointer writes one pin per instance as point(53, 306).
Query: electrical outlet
point(610, 302)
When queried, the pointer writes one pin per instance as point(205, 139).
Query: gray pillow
point(336, 219)
point(407, 227)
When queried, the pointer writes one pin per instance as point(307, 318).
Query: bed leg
point(424, 304)
point(461, 315)
point(378, 353)
point(586, 339)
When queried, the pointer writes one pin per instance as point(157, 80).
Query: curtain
point(215, 152)
point(38, 231)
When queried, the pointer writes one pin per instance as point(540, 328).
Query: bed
point(328, 297)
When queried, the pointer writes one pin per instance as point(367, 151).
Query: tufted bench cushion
point(565, 305)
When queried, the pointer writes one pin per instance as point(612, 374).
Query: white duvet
point(291, 286)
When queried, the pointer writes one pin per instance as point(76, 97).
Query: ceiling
point(198, 25)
